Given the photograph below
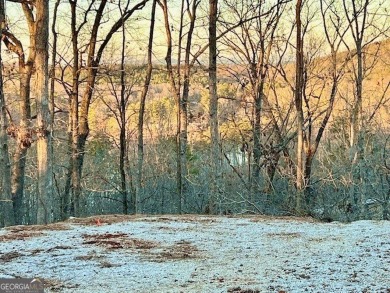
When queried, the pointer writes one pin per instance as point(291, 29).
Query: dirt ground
point(191, 253)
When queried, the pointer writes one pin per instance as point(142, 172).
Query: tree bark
point(123, 157)
point(72, 193)
point(213, 109)
point(45, 182)
point(298, 105)
point(6, 210)
point(58, 204)
point(255, 178)
point(23, 132)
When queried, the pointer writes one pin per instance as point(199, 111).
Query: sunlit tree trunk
point(298, 105)
point(358, 32)
point(45, 182)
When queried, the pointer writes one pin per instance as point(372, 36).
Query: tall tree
point(183, 105)
point(175, 84)
point(335, 30)
point(45, 182)
point(213, 107)
point(180, 83)
point(58, 203)
point(251, 44)
point(357, 18)
point(298, 105)
point(141, 114)
point(22, 132)
point(6, 211)
point(123, 155)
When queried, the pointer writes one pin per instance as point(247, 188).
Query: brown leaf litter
point(180, 250)
point(22, 232)
point(117, 241)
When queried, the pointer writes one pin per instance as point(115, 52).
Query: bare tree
point(181, 88)
point(357, 19)
point(140, 149)
point(52, 71)
point(94, 52)
point(252, 45)
point(298, 105)
point(335, 31)
point(45, 182)
point(183, 105)
point(367, 22)
point(213, 108)
point(123, 155)
point(175, 84)
point(6, 211)
point(23, 132)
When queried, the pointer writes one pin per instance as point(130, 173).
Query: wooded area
point(275, 107)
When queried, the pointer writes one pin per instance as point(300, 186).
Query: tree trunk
point(183, 106)
point(175, 85)
point(71, 196)
point(358, 25)
point(45, 182)
point(22, 133)
point(357, 197)
point(298, 105)
point(140, 149)
point(123, 158)
point(213, 108)
point(6, 211)
point(255, 178)
point(23, 143)
point(357, 109)
point(57, 203)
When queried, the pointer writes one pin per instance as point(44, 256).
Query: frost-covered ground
point(200, 254)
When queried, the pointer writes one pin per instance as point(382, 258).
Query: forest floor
point(191, 253)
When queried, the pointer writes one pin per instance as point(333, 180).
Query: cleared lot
point(200, 254)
